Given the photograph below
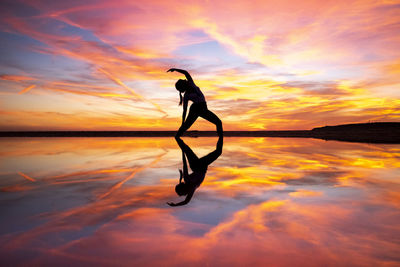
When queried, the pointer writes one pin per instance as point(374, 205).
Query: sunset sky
point(262, 65)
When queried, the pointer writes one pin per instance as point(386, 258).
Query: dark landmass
point(378, 132)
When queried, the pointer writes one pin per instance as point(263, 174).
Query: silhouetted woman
point(199, 106)
point(199, 167)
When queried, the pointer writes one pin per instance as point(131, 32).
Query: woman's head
point(182, 189)
point(181, 86)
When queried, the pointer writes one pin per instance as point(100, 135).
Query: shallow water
point(264, 201)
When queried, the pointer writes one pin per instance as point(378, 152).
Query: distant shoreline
point(153, 134)
point(380, 132)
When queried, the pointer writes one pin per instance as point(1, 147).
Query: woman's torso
point(194, 95)
point(195, 179)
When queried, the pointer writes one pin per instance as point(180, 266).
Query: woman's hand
point(171, 204)
point(171, 70)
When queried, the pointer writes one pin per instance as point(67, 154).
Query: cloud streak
point(119, 82)
point(27, 89)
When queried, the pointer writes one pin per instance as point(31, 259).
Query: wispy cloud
point(26, 89)
point(119, 82)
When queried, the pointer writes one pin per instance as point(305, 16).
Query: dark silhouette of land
point(377, 132)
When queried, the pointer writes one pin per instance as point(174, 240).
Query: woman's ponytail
point(180, 85)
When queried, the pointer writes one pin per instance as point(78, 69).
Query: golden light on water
point(274, 201)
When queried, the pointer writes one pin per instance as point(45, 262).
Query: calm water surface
point(264, 201)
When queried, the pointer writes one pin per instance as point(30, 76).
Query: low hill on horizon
point(364, 126)
point(374, 132)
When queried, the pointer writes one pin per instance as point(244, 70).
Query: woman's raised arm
point(184, 72)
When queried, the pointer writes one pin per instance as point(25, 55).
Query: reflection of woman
point(199, 167)
point(199, 106)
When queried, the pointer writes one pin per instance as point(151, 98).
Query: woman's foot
point(178, 134)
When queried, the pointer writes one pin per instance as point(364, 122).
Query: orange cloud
point(16, 78)
point(26, 89)
point(305, 193)
point(27, 177)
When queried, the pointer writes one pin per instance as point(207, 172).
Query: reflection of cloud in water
point(276, 201)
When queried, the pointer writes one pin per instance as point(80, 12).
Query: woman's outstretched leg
point(211, 157)
point(211, 117)
point(191, 118)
